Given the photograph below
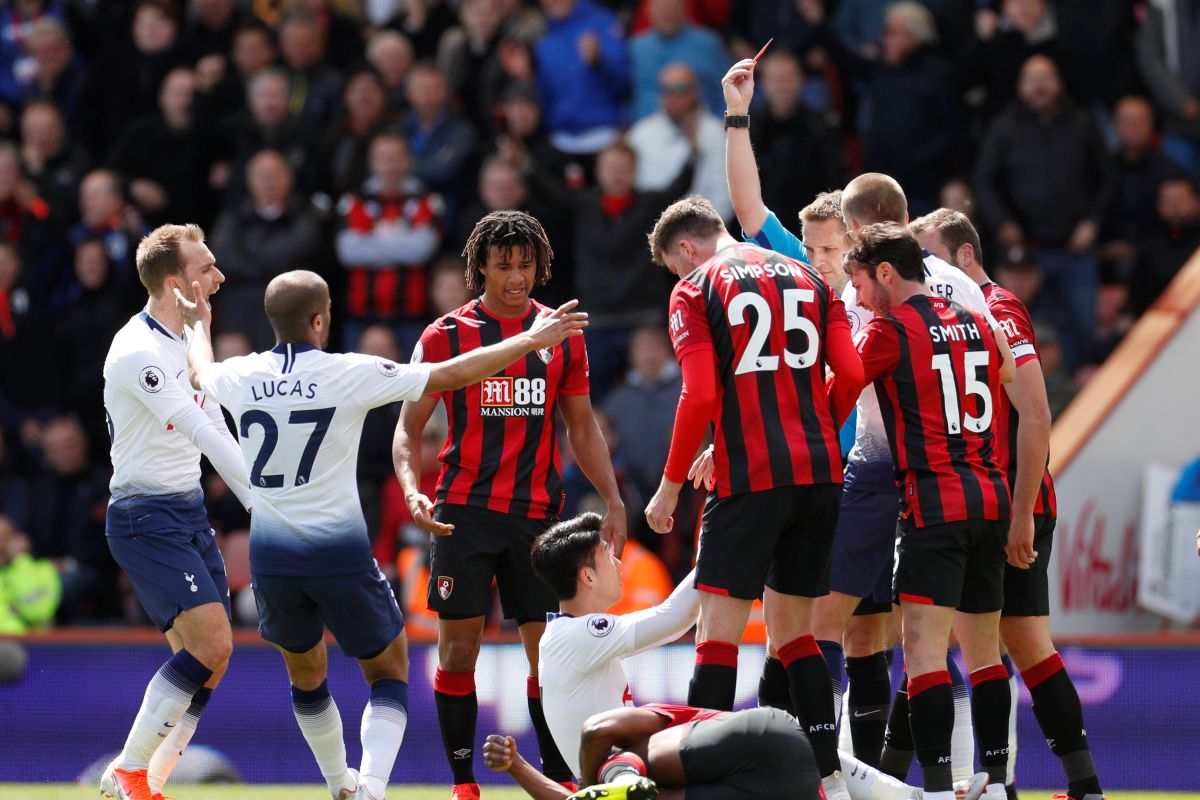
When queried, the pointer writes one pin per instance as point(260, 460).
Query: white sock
point(995, 791)
point(319, 721)
point(1011, 777)
point(167, 756)
point(167, 698)
point(383, 723)
point(962, 740)
point(864, 782)
point(845, 740)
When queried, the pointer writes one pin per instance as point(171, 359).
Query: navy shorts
point(865, 543)
point(172, 571)
point(1027, 591)
point(359, 609)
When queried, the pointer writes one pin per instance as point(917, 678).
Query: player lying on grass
point(580, 654)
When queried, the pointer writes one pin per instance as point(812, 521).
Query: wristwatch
point(737, 120)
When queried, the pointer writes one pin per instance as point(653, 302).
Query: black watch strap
point(737, 120)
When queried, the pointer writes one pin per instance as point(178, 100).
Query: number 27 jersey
point(936, 368)
point(765, 318)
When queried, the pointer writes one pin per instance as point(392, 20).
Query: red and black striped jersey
point(765, 319)
point(1012, 316)
point(936, 369)
point(501, 450)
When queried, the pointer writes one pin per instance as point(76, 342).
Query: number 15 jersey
point(299, 415)
point(936, 368)
point(766, 318)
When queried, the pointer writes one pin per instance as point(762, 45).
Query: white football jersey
point(154, 415)
point(870, 437)
point(299, 414)
point(579, 661)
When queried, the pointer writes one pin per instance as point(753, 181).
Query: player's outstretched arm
point(500, 754)
point(468, 368)
point(741, 170)
point(407, 459)
point(697, 405)
point(1028, 395)
point(624, 728)
point(591, 453)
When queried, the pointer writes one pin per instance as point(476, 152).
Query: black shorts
point(781, 538)
point(757, 753)
point(1027, 591)
point(485, 545)
point(954, 564)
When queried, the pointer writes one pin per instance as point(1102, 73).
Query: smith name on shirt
point(954, 333)
point(283, 387)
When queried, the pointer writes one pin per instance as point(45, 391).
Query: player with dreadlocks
point(501, 479)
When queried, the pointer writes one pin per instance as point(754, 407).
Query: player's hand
point(499, 752)
point(421, 508)
point(613, 529)
point(704, 469)
point(738, 87)
point(550, 329)
point(662, 506)
point(195, 311)
point(1020, 550)
point(1083, 237)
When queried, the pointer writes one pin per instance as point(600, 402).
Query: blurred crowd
point(363, 139)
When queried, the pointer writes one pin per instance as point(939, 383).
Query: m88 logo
point(508, 396)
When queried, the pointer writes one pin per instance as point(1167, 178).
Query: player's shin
point(773, 689)
point(168, 697)
point(990, 704)
point(167, 756)
point(931, 715)
point(457, 710)
point(1010, 779)
point(714, 678)
point(809, 679)
point(383, 723)
point(554, 766)
point(834, 657)
point(1060, 716)
point(898, 748)
point(319, 721)
point(962, 740)
point(870, 693)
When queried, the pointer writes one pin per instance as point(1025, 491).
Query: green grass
point(69, 791)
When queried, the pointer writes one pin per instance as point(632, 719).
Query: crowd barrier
point(75, 702)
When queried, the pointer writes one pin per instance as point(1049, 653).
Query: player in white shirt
point(157, 527)
point(299, 412)
point(580, 653)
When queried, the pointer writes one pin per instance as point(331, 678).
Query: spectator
point(26, 223)
point(1043, 181)
point(56, 73)
point(424, 22)
point(104, 214)
point(645, 580)
point(341, 33)
point(682, 130)
point(391, 54)
point(916, 149)
point(1060, 389)
point(800, 27)
point(28, 373)
point(375, 452)
point(468, 56)
point(1166, 46)
point(221, 83)
point(168, 157)
point(50, 159)
point(671, 39)
point(642, 409)
point(582, 75)
point(14, 488)
point(123, 85)
point(442, 143)
point(448, 287)
point(270, 232)
point(30, 589)
point(70, 497)
point(364, 114)
point(314, 86)
point(266, 124)
point(389, 232)
point(860, 25)
point(1140, 169)
point(209, 30)
point(1165, 253)
point(522, 136)
point(16, 21)
point(798, 151)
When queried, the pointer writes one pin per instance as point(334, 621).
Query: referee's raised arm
point(741, 170)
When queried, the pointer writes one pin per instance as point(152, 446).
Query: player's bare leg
point(719, 629)
point(385, 717)
point(991, 700)
point(207, 642)
point(831, 614)
point(454, 695)
point(1055, 700)
point(553, 765)
point(318, 717)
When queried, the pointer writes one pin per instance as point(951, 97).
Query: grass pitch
point(70, 791)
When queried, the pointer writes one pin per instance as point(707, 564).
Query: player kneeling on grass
point(677, 752)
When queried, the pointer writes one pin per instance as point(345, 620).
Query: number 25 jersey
point(936, 368)
point(501, 450)
point(765, 317)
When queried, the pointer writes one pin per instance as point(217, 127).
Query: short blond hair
point(159, 254)
point(826, 205)
point(954, 227)
point(872, 198)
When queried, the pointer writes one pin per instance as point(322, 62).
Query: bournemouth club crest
point(546, 354)
point(445, 586)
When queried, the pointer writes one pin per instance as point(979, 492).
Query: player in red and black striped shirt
point(754, 331)
point(937, 368)
point(501, 479)
point(1025, 620)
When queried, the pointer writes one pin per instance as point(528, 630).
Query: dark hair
point(954, 227)
point(559, 553)
point(506, 230)
point(885, 241)
point(693, 217)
